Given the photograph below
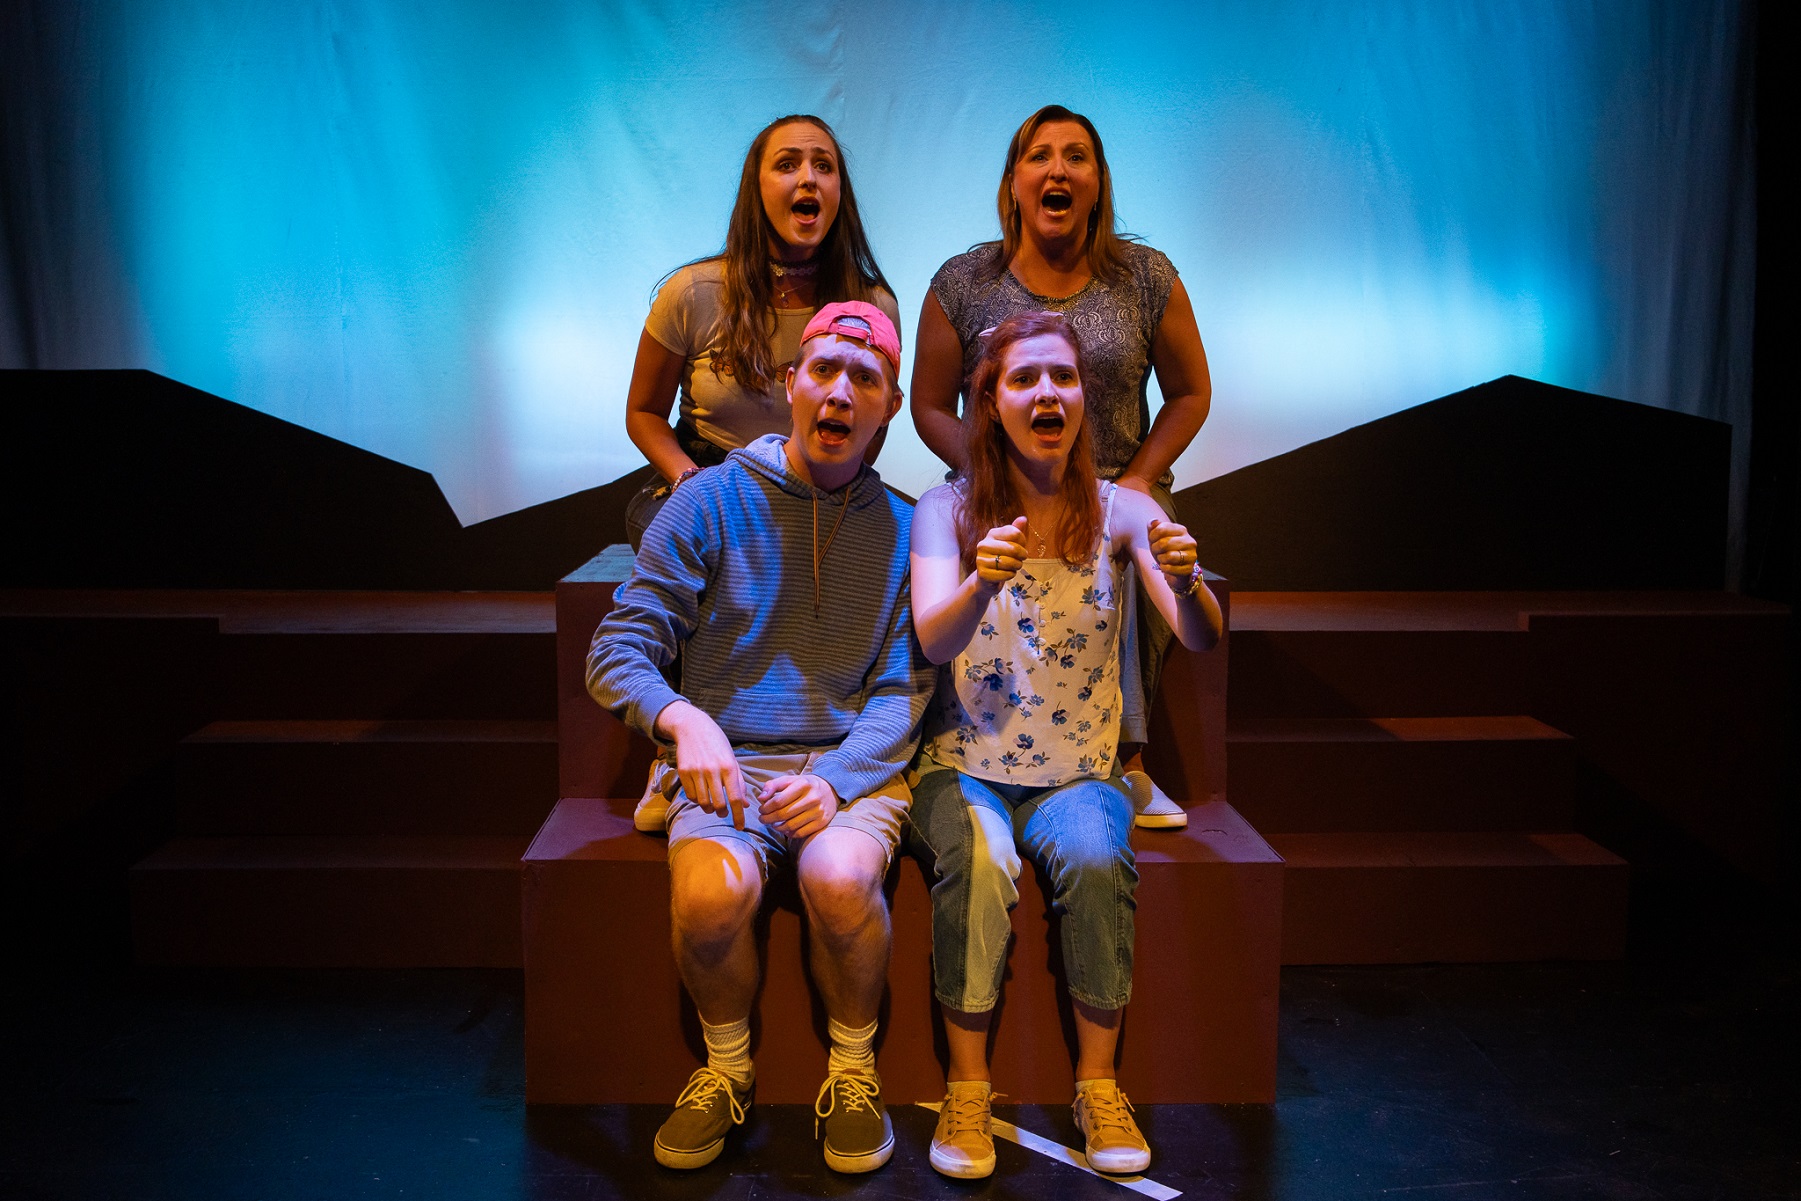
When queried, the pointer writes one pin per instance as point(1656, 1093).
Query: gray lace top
point(1117, 325)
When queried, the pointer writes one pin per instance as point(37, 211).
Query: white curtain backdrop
point(433, 229)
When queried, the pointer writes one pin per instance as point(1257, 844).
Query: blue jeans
point(964, 832)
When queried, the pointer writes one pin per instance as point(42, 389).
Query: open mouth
point(832, 432)
point(1048, 424)
point(1057, 201)
point(806, 209)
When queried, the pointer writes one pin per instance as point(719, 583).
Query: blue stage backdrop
point(433, 229)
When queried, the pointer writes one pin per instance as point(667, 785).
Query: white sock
point(1084, 1084)
point(728, 1049)
point(853, 1050)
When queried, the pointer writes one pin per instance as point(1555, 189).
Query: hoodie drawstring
point(819, 552)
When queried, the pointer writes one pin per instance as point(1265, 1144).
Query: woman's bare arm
point(937, 381)
point(1181, 365)
point(656, 373)
point(1165, 554)
point(948, 602)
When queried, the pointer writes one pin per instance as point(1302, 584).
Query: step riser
point(1461, 914)
point(391, 675)
point(1294, 787)
point(1383, 673)
point(328, 917)
point(365, 788)
point(1201, 1027)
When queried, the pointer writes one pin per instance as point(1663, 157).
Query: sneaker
point(1155, 811)
point(652, 814)
point(859, 1137)
point(704, 1114)
point(1105, 1118)
point(963, 1144)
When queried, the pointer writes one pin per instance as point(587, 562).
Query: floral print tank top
point(1034, 698)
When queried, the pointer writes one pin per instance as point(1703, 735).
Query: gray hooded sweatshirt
point(727, 574)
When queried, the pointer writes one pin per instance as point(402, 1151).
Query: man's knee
point(715, 887)
point(841, 883)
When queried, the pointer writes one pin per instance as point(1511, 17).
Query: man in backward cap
point(781, 576)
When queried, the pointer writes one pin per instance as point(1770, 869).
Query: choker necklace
point(779, 269)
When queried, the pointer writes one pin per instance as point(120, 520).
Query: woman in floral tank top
point(1018, 566)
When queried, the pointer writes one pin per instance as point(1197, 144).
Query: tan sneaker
point(963, 1144)
point(1105, 1118)
point(652, 814)
point(704, 1114)
point(859, 1135)
point(1152, 807)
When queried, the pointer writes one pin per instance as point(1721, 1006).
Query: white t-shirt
point(686, 320)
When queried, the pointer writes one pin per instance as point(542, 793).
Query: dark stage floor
point(1672, 1075)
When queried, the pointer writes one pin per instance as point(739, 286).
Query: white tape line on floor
point(1060, 1153)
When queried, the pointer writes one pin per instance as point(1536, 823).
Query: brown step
point(1362, 673)
point(1450, 898)
point(367, 777)
point(1311, 775)
point(288, 654)
point(1371, 654)
point(598, 756)
point(1201, 1028)
point(393, 674)
point(348, 901)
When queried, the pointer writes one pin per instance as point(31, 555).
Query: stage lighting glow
point(433, 231)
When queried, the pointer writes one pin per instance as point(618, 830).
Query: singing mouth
point(832, 432)
point(1057, 201)
point(806, 208)
point(1048, 423)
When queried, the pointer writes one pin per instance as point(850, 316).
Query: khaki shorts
point(880, 815)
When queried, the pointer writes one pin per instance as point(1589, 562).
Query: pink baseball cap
point(863, 322)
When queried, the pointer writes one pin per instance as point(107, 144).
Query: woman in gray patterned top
point(1060, 251)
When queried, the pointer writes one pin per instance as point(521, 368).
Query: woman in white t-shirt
point(1019, 572)
point(723, 329)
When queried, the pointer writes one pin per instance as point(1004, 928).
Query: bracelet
point(683, 478)
point(1194, 581)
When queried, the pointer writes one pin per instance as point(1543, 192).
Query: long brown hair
point(847, 266)
point(986, 497)
point(1106, 259)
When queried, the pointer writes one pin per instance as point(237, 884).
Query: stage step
point(1201, 1028)
point(452, 674)
point(1374, 654)
point(1365, 673)
point(494, 777)
point(285, 654)
point(1449, 897)
point(346, 901)
point(1313, 774)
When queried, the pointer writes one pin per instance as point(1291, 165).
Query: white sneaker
point(1155, 811)
point(652, 814)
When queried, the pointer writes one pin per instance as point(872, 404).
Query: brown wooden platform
point(607, 1020)
point(330, 901)
point(376, 765)
point(1550, 708)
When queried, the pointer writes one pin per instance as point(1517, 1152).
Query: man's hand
point(704, 760)
point(798, 806)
